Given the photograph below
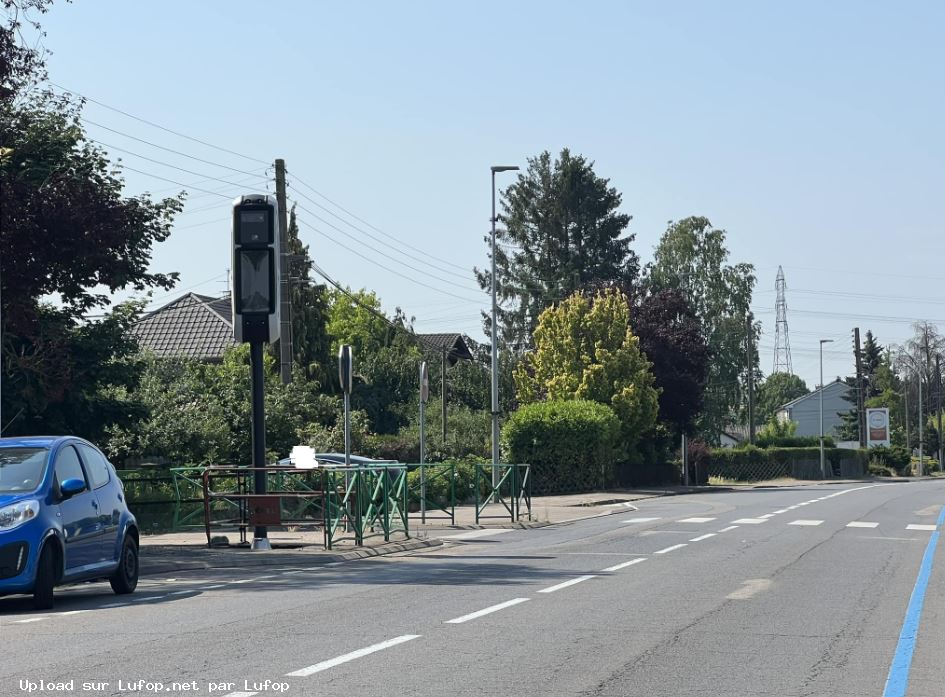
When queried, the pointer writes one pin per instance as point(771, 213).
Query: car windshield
point(21, 469)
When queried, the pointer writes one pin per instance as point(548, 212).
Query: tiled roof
point(455, 344)
point(193, 326)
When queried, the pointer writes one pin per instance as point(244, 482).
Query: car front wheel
point(125, 578)
point(45, 579)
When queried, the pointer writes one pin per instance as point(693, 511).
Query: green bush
point(572, 445)
point(896, 458)
point(752, 463)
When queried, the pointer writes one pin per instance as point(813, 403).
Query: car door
point(109, 496)
point(79, 514)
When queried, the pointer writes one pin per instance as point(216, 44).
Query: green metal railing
point(433, 487)
point(506, 484)
point(363, 501)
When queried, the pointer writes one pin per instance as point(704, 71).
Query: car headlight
point(16, 514)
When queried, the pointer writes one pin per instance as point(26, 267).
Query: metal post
point(751, 383)
point(423, 469)
point(347, 430)
point(684, 453)
point(285, 298)
point(495, 351)
point(823, 474)
point(920, 471)
point(941, 437)
point(495, 341)
point(260, 534)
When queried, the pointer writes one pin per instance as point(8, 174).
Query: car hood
point(16, 496)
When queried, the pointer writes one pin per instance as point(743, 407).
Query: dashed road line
point(624, 565)
point(729, 528)
point(862, 524)
point(703, 537)
point(487, 611)
point(31, 619)
point(750, 521)
point(73, 612)
point(640, 520)
point(807, 523)
point(667, 550)
point(696, 520)
point(476, 534)
point(146, 598)
point(926, 528)
point(360, 653)
point(566, 584)
point(212, 588)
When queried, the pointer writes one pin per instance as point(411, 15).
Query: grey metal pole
point(823, 468)
point(495, 357)
point(920, 471)
point(423, 474)
point(347, 430)
point(938, 392)
point(260, 533)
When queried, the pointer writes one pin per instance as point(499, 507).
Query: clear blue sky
point(812, 132)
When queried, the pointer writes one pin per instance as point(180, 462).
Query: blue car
point(63, 519)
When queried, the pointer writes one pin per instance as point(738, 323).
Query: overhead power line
point(424, 252)
point(380, 265)
point(160, 127)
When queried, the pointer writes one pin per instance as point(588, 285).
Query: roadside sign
point(345, 367)
point(424, 383)
point(877, 427)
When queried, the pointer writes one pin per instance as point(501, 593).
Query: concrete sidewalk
point(169, 552)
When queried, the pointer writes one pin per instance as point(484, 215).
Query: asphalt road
point(797, 591)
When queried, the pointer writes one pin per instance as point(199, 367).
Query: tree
point(562, 233)
point(356, 318)
point(67, 231)
point(777, 390)
point(691, 258)
point(585, 349)
point(672, 339)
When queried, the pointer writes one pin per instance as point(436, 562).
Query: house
point(201, 327)
point(193, 326)
point(805, 411)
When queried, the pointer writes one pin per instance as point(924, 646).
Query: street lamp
point(495, 337)
point(823, 468)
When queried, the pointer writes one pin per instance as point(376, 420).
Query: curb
point(225, 559)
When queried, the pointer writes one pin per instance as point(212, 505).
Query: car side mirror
point(71, 487)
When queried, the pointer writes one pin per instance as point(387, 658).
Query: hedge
point(752, 463)
point(572, 445)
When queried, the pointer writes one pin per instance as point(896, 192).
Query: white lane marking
point(360, 653)
point(703, 537)
point(809, 523)
point(31, 619)
point(146, 598)
point(73, 612)
point(624, 565)
point(244, 580)
point(767, 515)
point(929, 528)
point(696, 520)
point(730, 527)
point(639, 520)
point(751, 587)
point(862, 524)
point(476, 534)
point(572, 582)
point(487, 611)
point(332, 563)
point(182, 592)
point(294, 571)
point(783, 510)
point(625, 504)
point(211, 588)
point(260, 578)
point(750, 521)
point(670, 549)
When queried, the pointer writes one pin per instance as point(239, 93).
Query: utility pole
point(860, 414)
point(751, 383)
point(921, 471)
point(285, 300)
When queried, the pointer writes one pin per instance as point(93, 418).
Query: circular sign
point(878, 419)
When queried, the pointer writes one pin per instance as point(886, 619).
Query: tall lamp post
point(823, 467)
point(495, 337)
